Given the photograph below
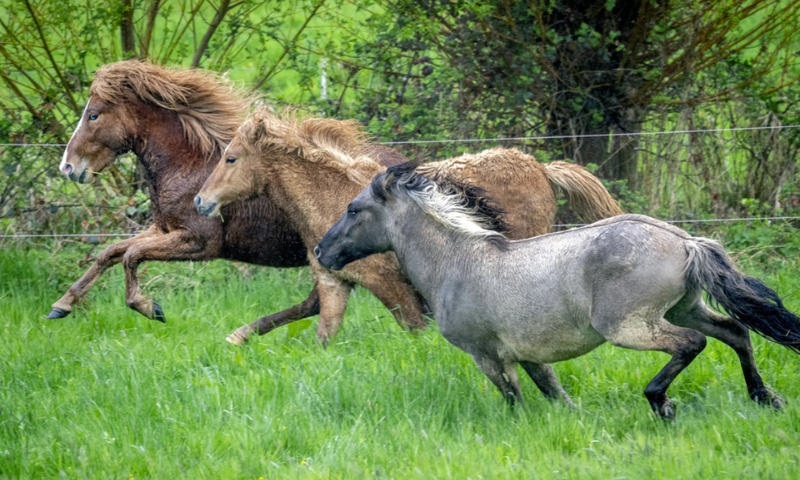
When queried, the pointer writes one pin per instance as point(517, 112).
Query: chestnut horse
point(177, 122)
point(311, 169)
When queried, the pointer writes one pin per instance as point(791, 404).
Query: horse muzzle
point(209, 209)
point(331, 262)
point(79, 173)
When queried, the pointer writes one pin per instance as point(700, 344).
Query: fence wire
point(510, 139)
point(476, 140)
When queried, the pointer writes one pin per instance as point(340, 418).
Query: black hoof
point(57, 313)
point(158, 314)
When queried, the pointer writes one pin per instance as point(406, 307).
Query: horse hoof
point(774, 401)
point(158, 313)
point(766, 398)
point(666, 411)
point(57, 313)
point(236, 339)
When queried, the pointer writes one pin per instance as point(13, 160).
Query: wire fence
point(511, 139)
point(472, 140)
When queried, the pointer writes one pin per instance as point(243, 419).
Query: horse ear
point(261, 129)
point(387, 182)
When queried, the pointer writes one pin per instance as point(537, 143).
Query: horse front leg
point(545, 378)
point(173, 246)
point(307, 308)
point(334, 293)
point(109, 257)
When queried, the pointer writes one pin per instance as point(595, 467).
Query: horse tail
point(747, 299)
point(585, 194)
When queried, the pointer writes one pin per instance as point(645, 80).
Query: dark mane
point(471, 197)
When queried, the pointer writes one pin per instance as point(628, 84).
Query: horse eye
point(230, 160)
point(352, 212)
point(93, 117)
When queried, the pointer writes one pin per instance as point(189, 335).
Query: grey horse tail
point(585, 194)
point(746, 299)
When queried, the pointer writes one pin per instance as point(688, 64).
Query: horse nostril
point(67, 168)
point(317, 252)
point(198, 200)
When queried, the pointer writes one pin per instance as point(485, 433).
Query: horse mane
point(459, 206)
point(339, 144)
point(210, 107)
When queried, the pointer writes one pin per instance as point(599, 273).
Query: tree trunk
point(152, 15)
point(622, 161)
point(127, 34)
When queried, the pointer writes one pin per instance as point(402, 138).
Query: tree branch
point(152, 15)
point(224, 8)
point(67, 88)
point(286, 48)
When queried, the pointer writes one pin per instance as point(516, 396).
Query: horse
point(630, 280)
point(311, 168)
point(177, 122)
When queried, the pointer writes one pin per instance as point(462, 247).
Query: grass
point(106, 393)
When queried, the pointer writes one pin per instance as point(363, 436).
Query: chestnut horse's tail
point(585, 194)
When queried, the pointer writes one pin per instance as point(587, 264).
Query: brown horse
point(311, 169)
point(177, 122)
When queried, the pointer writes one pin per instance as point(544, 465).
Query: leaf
point(298, 326)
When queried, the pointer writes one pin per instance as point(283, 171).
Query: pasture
point(106, 393)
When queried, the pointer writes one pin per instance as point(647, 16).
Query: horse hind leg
point(264, 325)
point(649, 331)
point(736, 336)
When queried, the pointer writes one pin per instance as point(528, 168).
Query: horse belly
point(552, 342)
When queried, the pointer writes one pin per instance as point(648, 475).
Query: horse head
point(101, 135)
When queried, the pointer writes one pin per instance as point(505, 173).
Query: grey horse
point(631, 280)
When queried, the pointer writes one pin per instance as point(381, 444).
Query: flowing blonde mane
point(335, 143)
point(210, 107)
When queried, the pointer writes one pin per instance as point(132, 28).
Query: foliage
point(429, 71)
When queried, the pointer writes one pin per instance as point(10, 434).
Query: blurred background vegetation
point(431, 70)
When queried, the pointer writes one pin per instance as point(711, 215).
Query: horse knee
point(131, 258)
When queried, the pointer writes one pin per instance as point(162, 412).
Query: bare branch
point(287, 48)
point(224, 8)
point(67, 88)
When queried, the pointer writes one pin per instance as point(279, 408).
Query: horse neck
point(167, 156)
point(313, 196)
point(427, 251)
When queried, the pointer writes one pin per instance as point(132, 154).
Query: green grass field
point(106, 393)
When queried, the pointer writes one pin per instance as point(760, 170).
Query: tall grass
point(106, 393)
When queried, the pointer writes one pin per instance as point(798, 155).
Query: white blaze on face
point(66, 149)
